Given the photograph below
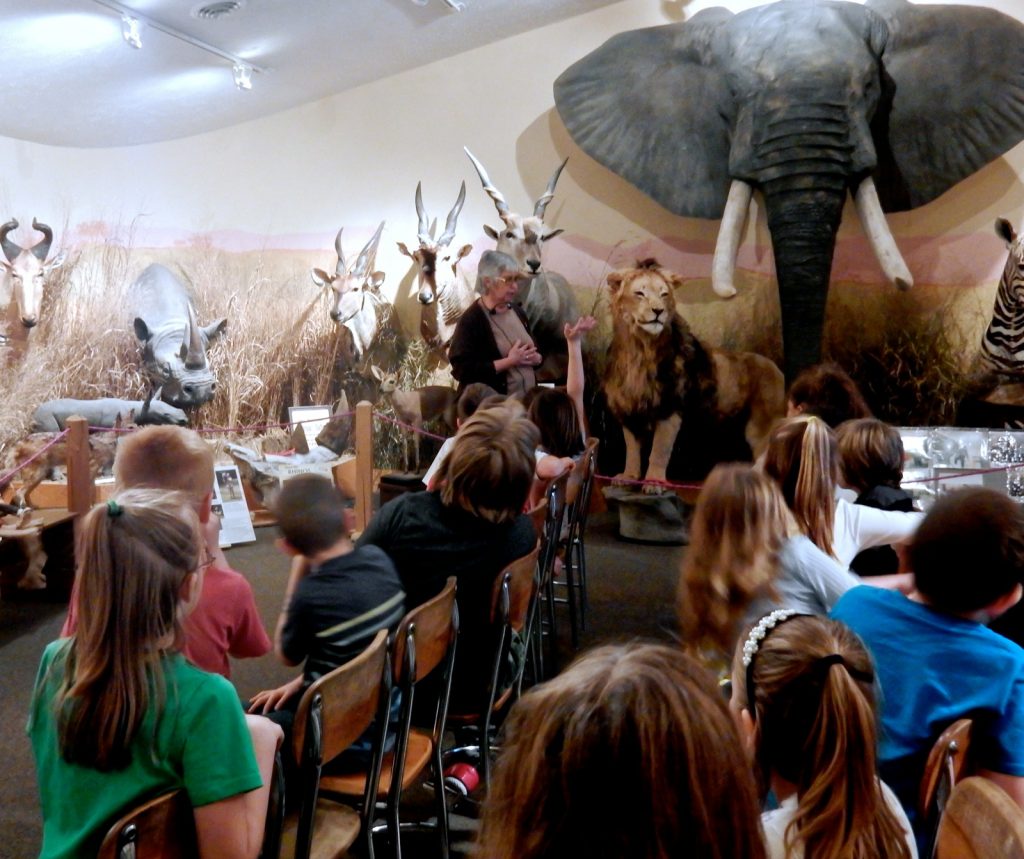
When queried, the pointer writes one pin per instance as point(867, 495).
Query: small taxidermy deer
point(417, 407)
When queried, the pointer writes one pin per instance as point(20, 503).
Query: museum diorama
point(742, 135)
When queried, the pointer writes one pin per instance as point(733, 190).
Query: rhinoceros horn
point(42, 249)
point(195, 358)
point(11, 250)
point(368, 254)
point(340, 268)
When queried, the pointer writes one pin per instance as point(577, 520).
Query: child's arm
point(273, 699)
point(574, 381)
point(299, 568)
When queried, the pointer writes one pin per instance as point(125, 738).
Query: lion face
point(643, 298)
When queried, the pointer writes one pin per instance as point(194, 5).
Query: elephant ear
point(653, 106)
point(957, 99)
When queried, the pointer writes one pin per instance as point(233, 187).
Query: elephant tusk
point(877, 229)
point(734, 220)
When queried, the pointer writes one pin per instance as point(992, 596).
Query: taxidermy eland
point(545, 295)
point(442, 289)
point(28, 269)
point(173, 344)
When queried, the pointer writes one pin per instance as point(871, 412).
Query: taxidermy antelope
point(358, 305)
point(443, 291)
point(417, 407)
point(28, 269)
point(545, 295)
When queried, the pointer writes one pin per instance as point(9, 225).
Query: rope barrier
point(9, 474)
point(418, 430)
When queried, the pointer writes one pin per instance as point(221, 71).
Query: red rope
point(410, 427)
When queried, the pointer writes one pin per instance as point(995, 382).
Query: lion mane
point(660, 375)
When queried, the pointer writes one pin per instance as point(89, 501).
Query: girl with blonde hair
point(118, 715)
point(803, 692)
point(803, 458)
point(628, 753)
point(747, 556)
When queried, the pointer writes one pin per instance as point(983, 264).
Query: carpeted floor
point(632, 594)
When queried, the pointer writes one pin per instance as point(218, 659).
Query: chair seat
point(335, 829)
point(354, 783)
point(981, 822)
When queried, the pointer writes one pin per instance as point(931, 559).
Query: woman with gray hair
point(492, 341)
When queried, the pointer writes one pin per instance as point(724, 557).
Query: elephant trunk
point(803, 223)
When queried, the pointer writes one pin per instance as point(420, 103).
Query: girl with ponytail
point(803, 458)
point(803, 693)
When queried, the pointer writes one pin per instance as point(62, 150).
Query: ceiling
point(68, 78)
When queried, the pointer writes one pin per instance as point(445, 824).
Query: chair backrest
point(514, 590)
point(433, 627)
point(161, 828)
point(947, 764)
point(589, 464)
point(556, 498)
point(981, 822)
point(347, 699)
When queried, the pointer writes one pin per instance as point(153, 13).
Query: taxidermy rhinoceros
point(173, 344)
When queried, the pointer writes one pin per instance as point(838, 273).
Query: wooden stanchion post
point(80, 486)
point(364, 464)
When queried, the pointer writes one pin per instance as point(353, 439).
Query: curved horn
point(453, 217)
point(368, 253)
point(340, 268)
point(423, 229)
point(877, 229)
point(494, 193)
point(42, 249)
point(195, 357)
point(734, 219)
point(549, 193)
point(11, 250)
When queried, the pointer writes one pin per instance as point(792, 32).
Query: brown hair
point(870, 454)
point(814, 726)
point(310, 511)
point(974, 529)
point(165, 457)
point(489, 470)
point(628, 753)
point(134, 554)
point(826, 390)
point(802, 457)
point(553, 412)
point(471, 398)
point(738, 529)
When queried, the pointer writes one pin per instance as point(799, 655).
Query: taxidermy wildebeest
point(173, 344)
point(804, 101)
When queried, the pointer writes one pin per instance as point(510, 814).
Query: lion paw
point(654, 489)
point(624, 479)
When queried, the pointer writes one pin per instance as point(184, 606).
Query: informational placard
point(229, 502)
point(312, 419)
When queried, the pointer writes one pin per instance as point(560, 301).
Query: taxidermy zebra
point(1002, 347)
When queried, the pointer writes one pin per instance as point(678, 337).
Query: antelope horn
point(340, 268)
point(423, 230)
point(11, 250)
point(42, 249)
point(549, 193)
point(494, 193)
point(368, 253)
point(145, 405)
point(453, 217)
point(195, 358)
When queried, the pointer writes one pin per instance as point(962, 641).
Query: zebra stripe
point(1002, 346)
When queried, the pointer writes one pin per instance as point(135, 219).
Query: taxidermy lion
point(659, 374)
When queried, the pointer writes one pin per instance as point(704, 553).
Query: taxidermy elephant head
point(803, 100)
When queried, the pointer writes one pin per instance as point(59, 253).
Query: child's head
point(738, 528)
point(471, 398)
point(827, 391)
point(553, 412)
point(968, 553)
point(489, 470)
point(629, 752)
point(166, 457)
point(803, 458)
point(807, 701)
point(139, 572)
point(311, 513)
point(870, 454)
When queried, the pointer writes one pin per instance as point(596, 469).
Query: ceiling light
point(242, 75)
point(131, 31)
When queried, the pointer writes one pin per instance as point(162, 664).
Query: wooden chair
point(161, 828)
point(980, 822)
point(424, 641)
point(333, 713)
point(512, 601)
point(948, 763)
point(550, 530)
point(578, 490)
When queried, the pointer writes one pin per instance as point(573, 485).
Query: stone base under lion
point(649, 518)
